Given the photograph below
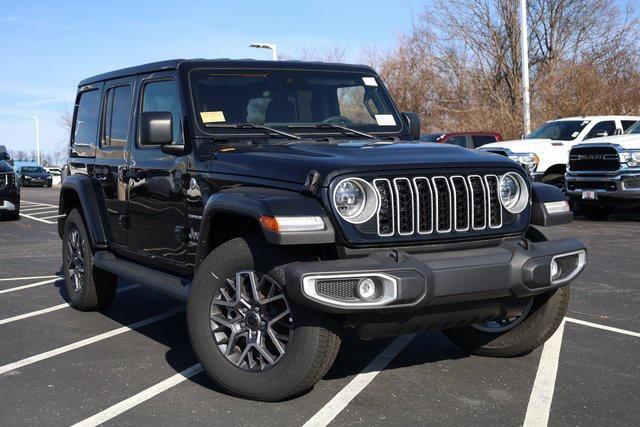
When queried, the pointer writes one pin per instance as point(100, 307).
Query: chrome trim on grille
point(418, 206)
point(476, 196)
point(455, 201)
point(398, 213)
point(437, 219)
point(489, 200)
point(392, 210)
point(473, 203)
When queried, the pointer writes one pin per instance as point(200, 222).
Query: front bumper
point(615, 186)
point(9, 199)
point(512, 270)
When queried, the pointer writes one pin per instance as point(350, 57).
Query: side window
point(85, 128)
point(163, 96)
point(480, 140)
point(459, 140)
point(626, 124)
point(606, 128)
point(118, 111)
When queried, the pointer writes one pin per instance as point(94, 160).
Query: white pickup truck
point(545, 151)
point(605, 173)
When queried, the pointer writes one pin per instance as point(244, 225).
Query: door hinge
point(180, 234)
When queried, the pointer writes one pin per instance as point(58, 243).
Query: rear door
point(112, 154)
point(480, 140)
point(157, 190)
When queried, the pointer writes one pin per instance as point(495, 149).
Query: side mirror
point(413, 122)
point(156, 128)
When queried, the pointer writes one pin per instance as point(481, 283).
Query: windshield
point(291, 99)
point(563, 130)
point(635, 129)
point(32, 169)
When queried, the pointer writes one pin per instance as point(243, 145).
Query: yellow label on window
point(212, 116)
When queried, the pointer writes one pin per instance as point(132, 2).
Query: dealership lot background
point(59, 366)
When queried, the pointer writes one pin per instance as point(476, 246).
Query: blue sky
point(47, 47)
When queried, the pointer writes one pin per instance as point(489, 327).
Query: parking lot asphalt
point(59, 366)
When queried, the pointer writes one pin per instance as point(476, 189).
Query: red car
point(463, 139)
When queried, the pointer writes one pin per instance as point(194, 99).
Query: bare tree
point(460, 67)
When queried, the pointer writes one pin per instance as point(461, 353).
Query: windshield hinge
point(312, 183)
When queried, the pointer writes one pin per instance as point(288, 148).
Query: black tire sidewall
point(273, 383)
point(98, 287)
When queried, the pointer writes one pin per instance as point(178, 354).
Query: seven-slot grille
point(4, 180)
point(594, 159)
point(440, 204)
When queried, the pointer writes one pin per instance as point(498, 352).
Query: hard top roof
point(173, 64)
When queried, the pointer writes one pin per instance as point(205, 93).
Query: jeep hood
point(292, 162)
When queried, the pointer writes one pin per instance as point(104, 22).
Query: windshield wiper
point(332, 126)
point(256, 126)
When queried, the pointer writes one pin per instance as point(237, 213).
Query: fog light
point(367, 289)
point(555, 270)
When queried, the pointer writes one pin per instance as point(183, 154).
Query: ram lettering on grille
point(440, 204)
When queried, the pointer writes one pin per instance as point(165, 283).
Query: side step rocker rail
point(168, 284)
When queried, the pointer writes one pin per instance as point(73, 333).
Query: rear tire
point(309, 350)
point(540, 322)
point(88, 287)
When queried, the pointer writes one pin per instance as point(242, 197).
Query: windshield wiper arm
point(252, 126)
point(332, 126)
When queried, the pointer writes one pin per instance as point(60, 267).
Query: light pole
point(272, 46)
point(37, 136)
point(524, 44)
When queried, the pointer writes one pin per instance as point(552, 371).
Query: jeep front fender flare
point(544, 196)
point(83, 189)
point(255, 202)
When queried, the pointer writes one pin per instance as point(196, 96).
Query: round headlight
point(514, 195)
point(355, 200)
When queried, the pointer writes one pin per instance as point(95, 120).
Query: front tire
point(540, 318)
point(237, 294)
point(88, 287)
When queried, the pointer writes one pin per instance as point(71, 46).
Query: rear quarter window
point(85, 127)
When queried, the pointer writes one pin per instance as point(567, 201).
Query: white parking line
point(38, 219)
point(603, 327)
point(545, 382)
point(10, 279)
point(31, 285)
point(36, 208)
point(143, 396)
point(54, 216)
point(50, 309)
point(325, 415)
point(37, 204)
point(88, 341)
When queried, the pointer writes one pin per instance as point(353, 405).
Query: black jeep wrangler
point(287, 201)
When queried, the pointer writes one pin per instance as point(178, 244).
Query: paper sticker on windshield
point(212, 116)
point(370, 81)
point(385, 120)
point(576, 133)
